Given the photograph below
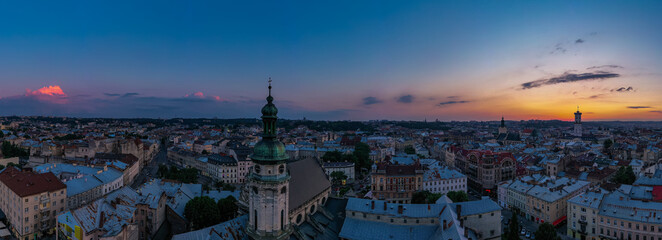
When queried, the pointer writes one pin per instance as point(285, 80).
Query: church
point(285, 199)
point(281, 199)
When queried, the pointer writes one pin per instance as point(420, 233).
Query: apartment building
point(442, 180)
point(396, 183)
point(540, 198)
point(31, 201)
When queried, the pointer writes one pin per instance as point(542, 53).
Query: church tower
point(502, 128)
point(268, 182)
point(578, 123)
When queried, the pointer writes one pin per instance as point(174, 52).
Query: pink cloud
point(48, 93)
point(202, 95)
point(55, 91)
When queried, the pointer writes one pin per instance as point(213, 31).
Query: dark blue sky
point(331, 60)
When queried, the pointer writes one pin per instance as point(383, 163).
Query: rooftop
point(25, 183)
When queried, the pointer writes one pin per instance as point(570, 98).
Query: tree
point(332, 156)
point(458, 196)
point(513, 228)
point(227, 208)
point(625, 175)
point(10, 150)
point(424, 197)
point(202, 212)
point(546, 231)
point(607, 144)
point(163, 171)
point(362, 154)
point(410, 150)
point(2, 134)
point(204, 152)
point(338, 176)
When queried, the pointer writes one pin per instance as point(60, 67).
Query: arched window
point(299, 218)
point(312, 208)
point(283, 190)
point(281, 169)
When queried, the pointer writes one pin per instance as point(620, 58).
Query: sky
point(333, 60)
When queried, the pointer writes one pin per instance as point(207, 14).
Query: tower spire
point(269, 86)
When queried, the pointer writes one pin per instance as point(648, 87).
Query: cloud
point(452, 102)
point(453, 97)
point(656, 111)
point(579, 40)
point(371, 100)
point(604, 66)
point(46, 91)
point(200, 95)
point(568, 77)
point(638, 107)
point(406, 99)
point(558, 49)
point(130, 94)
point(596, 96)
point(622, 89)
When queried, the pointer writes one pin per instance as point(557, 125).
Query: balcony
point(44, 199)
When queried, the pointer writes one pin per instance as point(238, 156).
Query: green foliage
point(186, 175)
point(205, 152)
point(11, 150)
point(202, 212)
point(360, 157)
point(227, 208)
point(546, 231)
point(2, 166)
point(69, 137)
point(607, 144)
point(410, 150)
point(362, 154)
point(338, 176)
point(458, 196)
point(2, 134)
point(513, 228)
point(625, 175)
point(425, 197)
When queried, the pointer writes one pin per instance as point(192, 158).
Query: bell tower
point(578, 123)
point(268, 182)
point(502, 128)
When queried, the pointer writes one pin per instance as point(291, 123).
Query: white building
point(443, 180)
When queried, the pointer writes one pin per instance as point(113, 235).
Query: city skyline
point(348, 61)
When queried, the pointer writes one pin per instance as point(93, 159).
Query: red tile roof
point(25, 183)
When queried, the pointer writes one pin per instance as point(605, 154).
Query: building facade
point(31, 201)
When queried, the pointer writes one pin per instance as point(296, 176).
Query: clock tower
point(268, 182)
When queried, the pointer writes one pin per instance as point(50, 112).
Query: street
point(530, 225)
point(151, 168)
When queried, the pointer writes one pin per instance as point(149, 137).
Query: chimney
point(428, 207)
point(444, 226)
point(372, 205)
point(399, 209)
point(466, 232)
point(101, 220)
point(458, 210)
point(384, 206)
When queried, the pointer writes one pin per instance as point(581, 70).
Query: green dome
point(269, 109)
point(269, 150)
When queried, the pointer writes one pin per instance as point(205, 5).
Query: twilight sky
point(359, 60)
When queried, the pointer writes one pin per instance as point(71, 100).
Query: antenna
point(269, 86)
